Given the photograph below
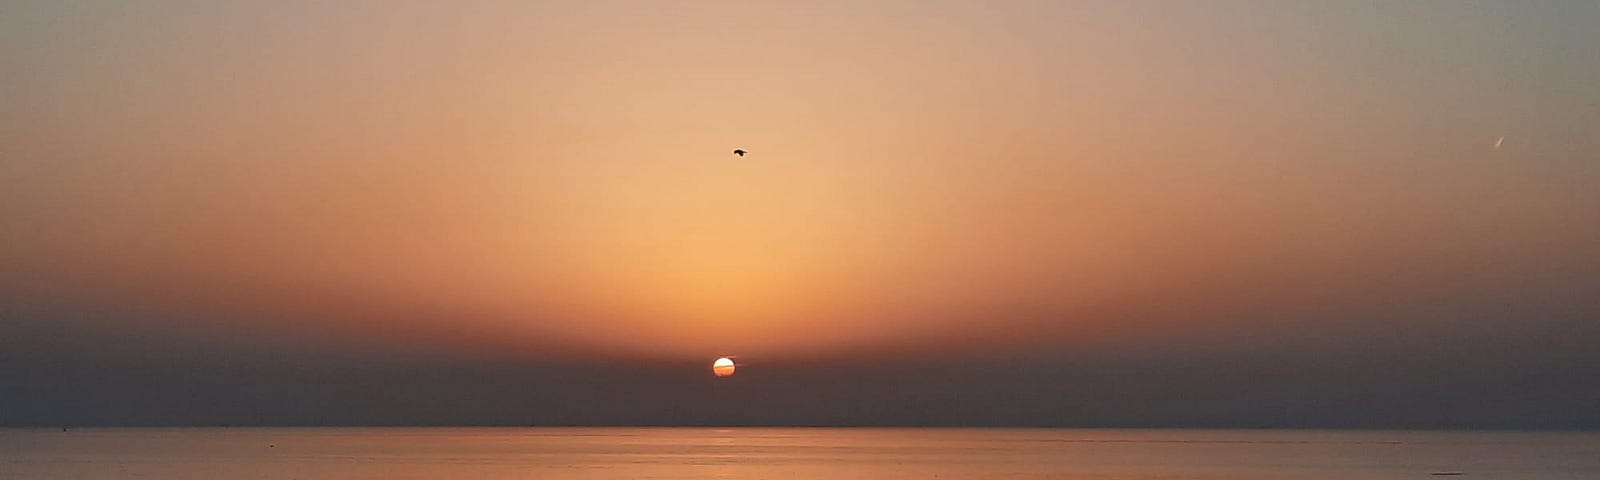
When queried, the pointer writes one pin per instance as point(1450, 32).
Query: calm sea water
point(780, 453)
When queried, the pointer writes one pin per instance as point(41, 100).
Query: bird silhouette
point(739, 152)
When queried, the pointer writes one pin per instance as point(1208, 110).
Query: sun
point(722, 367)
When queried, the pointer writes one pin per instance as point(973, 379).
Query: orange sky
point(922, 175)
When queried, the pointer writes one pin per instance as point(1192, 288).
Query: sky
point(1210, 214)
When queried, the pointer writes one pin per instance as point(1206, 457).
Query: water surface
point(797, 453)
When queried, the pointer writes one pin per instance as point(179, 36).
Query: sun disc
point(722, 367)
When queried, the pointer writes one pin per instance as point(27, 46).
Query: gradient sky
point(963, 213)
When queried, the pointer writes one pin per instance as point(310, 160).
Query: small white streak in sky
point(1498, 142)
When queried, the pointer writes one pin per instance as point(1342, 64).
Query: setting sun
point(722, 367)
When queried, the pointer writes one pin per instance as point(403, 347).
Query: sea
point(791, 453)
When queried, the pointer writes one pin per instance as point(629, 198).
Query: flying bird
point(1498, 142)
point(739, 152)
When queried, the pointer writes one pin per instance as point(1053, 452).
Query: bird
point(739, 152)
point(1498, 142)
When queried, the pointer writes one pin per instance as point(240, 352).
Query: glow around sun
point(722, 367)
